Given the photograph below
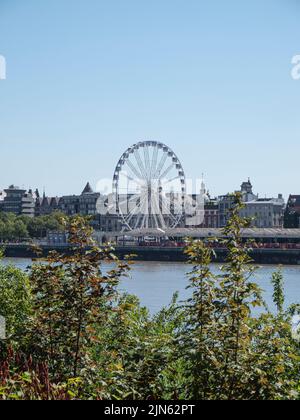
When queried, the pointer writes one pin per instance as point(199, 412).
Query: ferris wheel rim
point(149, 170)
point(139, 145)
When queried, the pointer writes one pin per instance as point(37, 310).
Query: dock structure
point(205, 233)
point(268, 246)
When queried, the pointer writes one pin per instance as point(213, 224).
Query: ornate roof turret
point(88, 189)
point(246, 187)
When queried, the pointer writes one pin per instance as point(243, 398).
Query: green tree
point(230, 353)
point(71, 295)
point(15, 301)
point(20, 230)
point(136, 353)
point(81, 338)
point(12, 228)
point(2, 230)
point(38, 227)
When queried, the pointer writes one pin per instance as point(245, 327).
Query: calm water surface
point(156, 282)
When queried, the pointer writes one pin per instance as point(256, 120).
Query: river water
point(156, 282)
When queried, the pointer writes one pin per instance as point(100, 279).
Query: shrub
point(71, 296)
point(230, 353)
point(15, 301)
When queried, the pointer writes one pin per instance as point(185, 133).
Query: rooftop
point(87, 189)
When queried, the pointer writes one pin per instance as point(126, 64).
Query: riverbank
point(162, 254)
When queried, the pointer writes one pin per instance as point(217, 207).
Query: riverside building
point(18, 201)
point(265, 212)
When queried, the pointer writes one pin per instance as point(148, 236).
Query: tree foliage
point(20, 228)
point(84, 339)
point(15, 300)
point(71, 296)
point(230, 353)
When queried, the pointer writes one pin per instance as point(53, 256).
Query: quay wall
point(260, 256)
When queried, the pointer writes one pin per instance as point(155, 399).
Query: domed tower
point(246, 187)
point(203, 192)
point(247, 191)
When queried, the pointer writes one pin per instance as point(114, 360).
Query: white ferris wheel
point(149, 187)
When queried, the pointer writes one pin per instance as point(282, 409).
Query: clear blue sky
point(212, 79)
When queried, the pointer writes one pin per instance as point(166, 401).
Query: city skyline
point(43, 192)
point(219, 91)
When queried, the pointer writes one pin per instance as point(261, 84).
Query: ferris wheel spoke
point(129, 178)
point(143, 221)
point(140, 163)
point(171, 180)
point(162, 221)
point(155, 220)
point(139, 179)
point(138, 219)
point(136, 222)
point(154, 162)
point(147, 162)
point(130, 211)
point(134, 170)
point(133, 212)
point(130, 216)
point(152, 210)
point(153, 213)
point(166, 171)
point(177, 203)
point(161, 165)
point(127, 202)
point(160, 215)
point(127, 216)
point(168, 209)
point(173, 218)
point(139, 205)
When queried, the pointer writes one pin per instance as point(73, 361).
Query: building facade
point(86, 204)
point(292, 213)
point(225, 203)
point(90, 203)
point(211, 214)
point(18, 201)
point(45, 205)
point(107, 223)
point(265, 212)
point(2, 196)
